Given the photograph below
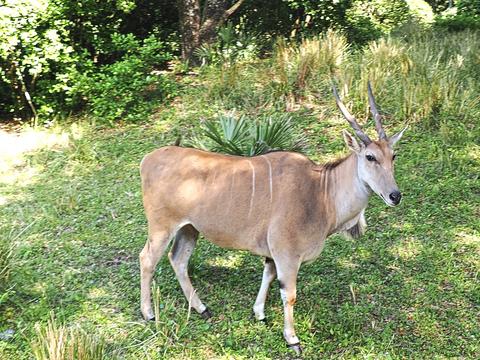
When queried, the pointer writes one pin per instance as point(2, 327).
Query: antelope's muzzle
point(395, 196)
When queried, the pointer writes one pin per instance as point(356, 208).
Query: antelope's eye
point(371, 158)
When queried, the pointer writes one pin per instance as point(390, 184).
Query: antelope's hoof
point(296, 347)
point(254, 317)
point(149, 317)
point(206, 314)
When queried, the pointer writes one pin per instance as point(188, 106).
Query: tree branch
point(232, 9)
point(215, 20)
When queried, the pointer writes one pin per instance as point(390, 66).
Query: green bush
point(469, 8)
point(421, 11)
point(129, 88)
point(369, 20)
point(457, 23)
point(465, 16)
point(234, 44)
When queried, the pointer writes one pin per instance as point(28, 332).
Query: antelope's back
point(179, 180)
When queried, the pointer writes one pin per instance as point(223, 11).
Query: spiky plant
point(246, 137)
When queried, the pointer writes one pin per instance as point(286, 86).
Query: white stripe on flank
point(232, 182)
point(253, 188)
point(270, 176)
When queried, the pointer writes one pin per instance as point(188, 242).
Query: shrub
point(457, 22)
point(128, 88)
point(369, 20)
point(469, 8)
point(421, 11)
point(466, 16)
point(234, 44)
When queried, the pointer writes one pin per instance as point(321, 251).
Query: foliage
point(465, 16)
point(457, 22)
point(246, 137)
point(233, 44)
point(369, 20)
point(315, 16)
point(469, 8)
point(28, 50)
point(421, 11)
point(130, 87)
point(56, 342)
point(438, 6)
point(62, 57)
point(360, 20)
point(49, 46)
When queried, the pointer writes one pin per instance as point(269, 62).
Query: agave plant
point(247, 137)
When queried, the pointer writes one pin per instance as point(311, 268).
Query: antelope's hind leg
point(158, 239)
point(182, 249)
point(269, 274)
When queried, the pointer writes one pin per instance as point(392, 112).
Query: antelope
point(280, 205)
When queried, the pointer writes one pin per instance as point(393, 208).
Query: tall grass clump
point(5, 258)
point(57, 342)
point(5, 254)
point(294, 65)
point(432, 78)
point(428, 77)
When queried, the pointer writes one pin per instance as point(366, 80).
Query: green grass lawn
point(75, 216)
point(410, 288)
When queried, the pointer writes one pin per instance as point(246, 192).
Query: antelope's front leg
point(288, 292)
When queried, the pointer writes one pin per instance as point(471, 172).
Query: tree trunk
point(197, 28)
point(189, 14)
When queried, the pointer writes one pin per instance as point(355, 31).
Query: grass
point(71, 212)
point(56, 342)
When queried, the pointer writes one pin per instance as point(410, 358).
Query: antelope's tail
point(179, 139)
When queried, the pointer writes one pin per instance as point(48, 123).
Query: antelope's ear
point(395, 138)
point(351, 142)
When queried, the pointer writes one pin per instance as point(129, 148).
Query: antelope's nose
point(395, 196)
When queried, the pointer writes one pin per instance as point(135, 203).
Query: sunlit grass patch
point(408, 248)
point(230, 260)
point(467, 238)
point(14, 146)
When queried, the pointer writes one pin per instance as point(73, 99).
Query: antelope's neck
point(348, 194)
